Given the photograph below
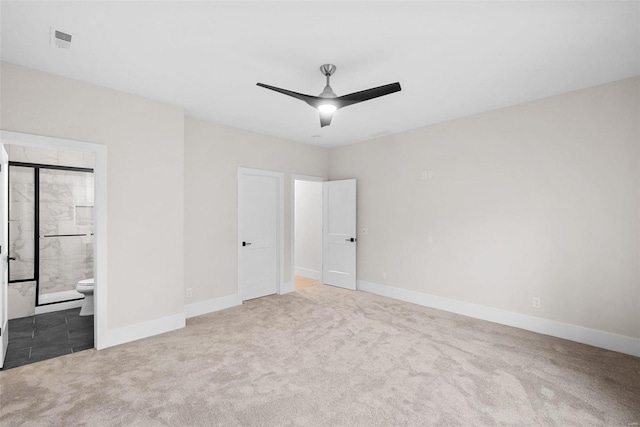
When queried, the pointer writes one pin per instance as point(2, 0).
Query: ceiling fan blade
point(365, 95)
point(311, 100)
point(325, 119)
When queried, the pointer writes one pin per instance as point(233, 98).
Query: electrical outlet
point(536, 302)
point(384, 275)
point(189, 292)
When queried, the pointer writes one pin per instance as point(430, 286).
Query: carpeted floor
point(326, 356)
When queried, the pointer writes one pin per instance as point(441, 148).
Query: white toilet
point(85, 287)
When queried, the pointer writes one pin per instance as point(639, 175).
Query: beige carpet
point(325, 356)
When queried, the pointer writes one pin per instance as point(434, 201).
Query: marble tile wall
point(21, 224)
point(22, 299)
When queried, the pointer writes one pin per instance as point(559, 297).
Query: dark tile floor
point(43, 336)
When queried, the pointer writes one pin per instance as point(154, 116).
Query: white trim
point(209, 306)
point(100, 215)
point(307, 272)
point(146, 329)
point(287, 287)
point(594, 337)
point(280, 231)
point(292, 234)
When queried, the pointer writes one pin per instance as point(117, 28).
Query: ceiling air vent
point(60, 38)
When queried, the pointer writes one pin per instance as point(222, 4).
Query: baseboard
point(307, 272)
point(285, 288)
point(211, 305)
point(141, 330)
point(596, 338)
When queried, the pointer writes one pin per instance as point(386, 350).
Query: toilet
point(85, 287)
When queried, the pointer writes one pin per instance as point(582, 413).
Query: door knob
point(246, 243)
point(350, 239)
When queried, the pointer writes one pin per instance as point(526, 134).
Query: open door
point(4, 252)
point(339, 233)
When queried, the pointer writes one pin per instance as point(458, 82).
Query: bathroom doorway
point(307, 231)
point(51, 250)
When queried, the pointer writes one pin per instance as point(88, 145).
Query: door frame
point(99, 152)
point(294, 178)
point(279, 225)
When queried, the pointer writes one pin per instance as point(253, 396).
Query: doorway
point(51, 200)
point(82, 216)
point(307, 230)
point(338, 233)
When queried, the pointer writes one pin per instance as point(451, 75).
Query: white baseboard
point(307, 272)
point(596, 338)
point(211, 305)
point(285, 288)
point(141, 330)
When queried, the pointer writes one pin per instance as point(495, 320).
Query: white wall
point(536, 200)
point(145, 183)
point(308, 228)
point(212, 156)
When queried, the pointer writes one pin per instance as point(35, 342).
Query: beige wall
point(535, 200)
point(540, 199)
point(145, 180)
point(308, 225)
point(212, 156)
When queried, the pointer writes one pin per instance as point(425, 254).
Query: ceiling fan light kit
point(328, 102)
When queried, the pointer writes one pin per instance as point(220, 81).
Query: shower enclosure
point(50, 229)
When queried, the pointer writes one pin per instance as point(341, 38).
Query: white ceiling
point(452, 59)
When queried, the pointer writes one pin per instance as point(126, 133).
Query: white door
point(4, 252)
point(259, 211)
point(339, 233)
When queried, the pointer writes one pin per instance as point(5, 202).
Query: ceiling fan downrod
point(328, 70)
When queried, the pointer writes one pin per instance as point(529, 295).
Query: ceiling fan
point(328, 102)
